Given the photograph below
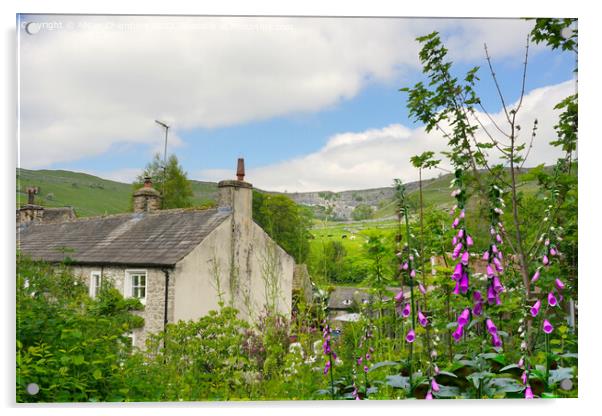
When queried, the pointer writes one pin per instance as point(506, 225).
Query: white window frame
point(128, 289)
point(93, 287)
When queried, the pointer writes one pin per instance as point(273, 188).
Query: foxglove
point(547, 327)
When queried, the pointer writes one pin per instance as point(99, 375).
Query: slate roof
point(159, 238)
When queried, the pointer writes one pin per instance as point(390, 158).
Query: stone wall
point(154, 308)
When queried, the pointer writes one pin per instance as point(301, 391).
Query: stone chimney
point(147, 199)
point(30, 212)
point(236, 195)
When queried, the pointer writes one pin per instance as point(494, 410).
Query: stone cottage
point(180, 263)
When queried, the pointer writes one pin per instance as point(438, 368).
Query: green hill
point(89, 194)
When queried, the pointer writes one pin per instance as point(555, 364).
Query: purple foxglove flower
point(523, 377)
point(498, 239)
point(553, 251)
point(411, 336)
point(552, 299)
point(465, 257)
point(405, 266)
point(535, 308)
point(477, 309)
point(491, 296)
point(458, 271)
point(492, 231)
point(411, 257)
point(496, 341)
point(413, 273)
point(334, 355)
point(436, 370)
point(498, 301)
point(500, 255)
point(498, 264)
point(327, 367)
point(535, 277)
point(490, 271)
point(366, 369)
point(457, 289)
point(371, 350)
point(359, 361)
point(494, 249)
point(422, 288)
point(429, 395)
point(476, 296)
point(461, 233)
point(469, 241)
point(528, 393)
point(368, 356)
point(547, 327)
point(456, 223)
point(497, 285)
point(434, 385)
point(422, 319)
point(326, 347)
point(462, 214)
point(559, 284)
point(454, 240)
point(457, 250)
point(490, 327)
point(545, 260)
point(399, 297)
point(486, 255)
point(464, 283)
point(457, 334)
point(547, 243)
point(464, 317)
point(406, 311)
point(521, 362)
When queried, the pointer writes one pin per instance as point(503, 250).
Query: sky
point(310, 103)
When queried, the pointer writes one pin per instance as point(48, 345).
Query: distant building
point(178, 262)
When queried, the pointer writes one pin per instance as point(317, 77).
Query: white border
point(589, 149)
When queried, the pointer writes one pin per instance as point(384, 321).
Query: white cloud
point(95, 82)
point(372, 158)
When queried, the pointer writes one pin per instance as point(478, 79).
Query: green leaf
point(380, 364)
point(398, 382)
point(97, 374)
point(509, 367)
point(78, 360)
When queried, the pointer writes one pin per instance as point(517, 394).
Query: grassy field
point(437, 193)
point(88, 194)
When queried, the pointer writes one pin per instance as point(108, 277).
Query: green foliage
point(170, 180)
point(71, 346)
point(285, 221)
point(556, 33)
point(362, 212)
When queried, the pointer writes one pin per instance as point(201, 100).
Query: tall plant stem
point(331, 376)
point(411, 281)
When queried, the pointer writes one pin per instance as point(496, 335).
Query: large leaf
point(505, 385)
point(398, 382)
point(560, 374)
point(446, 392)
point(509, 367)
point(380, 364)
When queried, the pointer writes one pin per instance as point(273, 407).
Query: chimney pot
point(240, 170)
point(148, 182)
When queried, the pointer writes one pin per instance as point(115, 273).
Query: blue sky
point(283, 136)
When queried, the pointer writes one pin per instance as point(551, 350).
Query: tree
point(362, 212)
point(285, 221)
point(177, 190)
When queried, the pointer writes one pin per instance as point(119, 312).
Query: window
point(135, 284)
point(95, 282)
